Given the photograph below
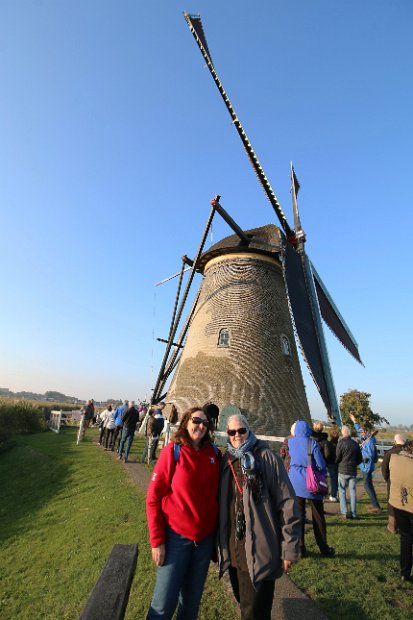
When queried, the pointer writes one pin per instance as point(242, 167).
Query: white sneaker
point(333, 499)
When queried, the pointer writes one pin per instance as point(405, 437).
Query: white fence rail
point(65, 418)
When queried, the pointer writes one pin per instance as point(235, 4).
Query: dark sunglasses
point(199, 421)
point(233, 431)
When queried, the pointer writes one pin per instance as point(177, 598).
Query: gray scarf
point(237, 453)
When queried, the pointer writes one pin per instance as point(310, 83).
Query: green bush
point(20, 417)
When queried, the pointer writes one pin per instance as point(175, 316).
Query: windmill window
point(223, 338)
point(285, 345)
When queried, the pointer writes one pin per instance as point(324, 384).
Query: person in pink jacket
point(182, 511)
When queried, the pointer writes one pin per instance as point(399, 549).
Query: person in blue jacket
point(298, 450)
point(119, 411)
point(367, 466)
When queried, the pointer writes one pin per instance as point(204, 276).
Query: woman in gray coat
point(259, 527)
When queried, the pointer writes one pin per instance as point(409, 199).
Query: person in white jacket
point(108, 420)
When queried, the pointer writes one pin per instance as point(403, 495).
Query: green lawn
point(362, 582)
point(63, 507)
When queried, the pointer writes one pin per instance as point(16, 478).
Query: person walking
point(259, 525)
point(119, 411)
point(299, 447)
point(332, 465)
point(328, 451)
point(348, 457)
point(130, 421)
point(182, 510)
point(367, 466)
point(156, 430)
point(399, 441)
point(109, 425)
point(401, 499)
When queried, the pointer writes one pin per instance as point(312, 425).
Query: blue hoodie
point(119, 411)
point(298, 449)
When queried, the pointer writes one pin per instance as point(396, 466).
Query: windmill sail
point(305, 315)
point(333, 318)
point(195, 26)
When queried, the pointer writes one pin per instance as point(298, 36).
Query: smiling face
point(235, 424)
point(197, 429)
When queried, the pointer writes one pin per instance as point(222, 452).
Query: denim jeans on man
point(127, 438)
point(181, 578)
point(368, 485)
point(345, 480)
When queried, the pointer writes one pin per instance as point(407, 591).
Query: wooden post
point(109, 597)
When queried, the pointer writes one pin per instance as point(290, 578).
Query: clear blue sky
point(113, 140)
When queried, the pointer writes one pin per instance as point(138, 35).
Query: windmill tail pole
point(196, 28)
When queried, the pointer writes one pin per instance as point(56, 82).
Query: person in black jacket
point(399, 441)
point(348, 456)
point(130, 420)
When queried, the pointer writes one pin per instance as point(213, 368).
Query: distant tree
point(55, 396)
point(358, 404)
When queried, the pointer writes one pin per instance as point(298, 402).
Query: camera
point(240, 525)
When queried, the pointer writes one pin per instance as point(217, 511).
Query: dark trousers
point(109, 438)
point(370, 490)
point(319, 522)
point(404, 521)
point(118, 430)
point(333, 472)
point(255, 604)
point(102, 433)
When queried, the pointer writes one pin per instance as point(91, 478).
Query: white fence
point(220, 437)
point(66, 418)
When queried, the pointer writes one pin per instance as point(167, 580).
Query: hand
point(287, 565)
point(352, 417)
point(158, 555)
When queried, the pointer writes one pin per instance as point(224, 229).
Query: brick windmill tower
point(260, 292)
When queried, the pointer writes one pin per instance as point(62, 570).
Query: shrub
point(20, 417)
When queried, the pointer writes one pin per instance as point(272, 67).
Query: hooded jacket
point(298, 449)
point(272, 524)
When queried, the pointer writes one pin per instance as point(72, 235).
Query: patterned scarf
point(237, 453)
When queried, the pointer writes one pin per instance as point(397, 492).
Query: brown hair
point(182, 437)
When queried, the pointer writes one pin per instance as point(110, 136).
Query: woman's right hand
point(158, 555)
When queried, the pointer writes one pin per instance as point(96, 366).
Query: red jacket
point(183, 495)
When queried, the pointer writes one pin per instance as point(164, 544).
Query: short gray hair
point(241, 418)
point(345, 431)
point(399, 439)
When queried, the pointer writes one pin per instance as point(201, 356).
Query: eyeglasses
point(200, 421)
point(233, 431)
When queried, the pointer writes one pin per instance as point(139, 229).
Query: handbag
point(315, 480)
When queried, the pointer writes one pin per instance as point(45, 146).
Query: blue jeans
point(345, 480)
point(127, 437)
point(181, 578)
point(370, 490)
point(333, 472)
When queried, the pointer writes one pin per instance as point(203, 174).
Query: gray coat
point(272, 525)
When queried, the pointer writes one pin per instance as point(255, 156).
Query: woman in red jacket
point(182, 510)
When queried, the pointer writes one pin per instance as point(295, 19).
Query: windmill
point(237, 346)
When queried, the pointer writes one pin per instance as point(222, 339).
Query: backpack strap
point(177, 451)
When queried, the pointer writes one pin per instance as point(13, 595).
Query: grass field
point(64, 506)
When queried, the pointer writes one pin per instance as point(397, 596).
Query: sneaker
point(333, 499)
point(374, 510)
point(120, 457)
point(344, 516)
point(125, 460)
point(330, 552)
